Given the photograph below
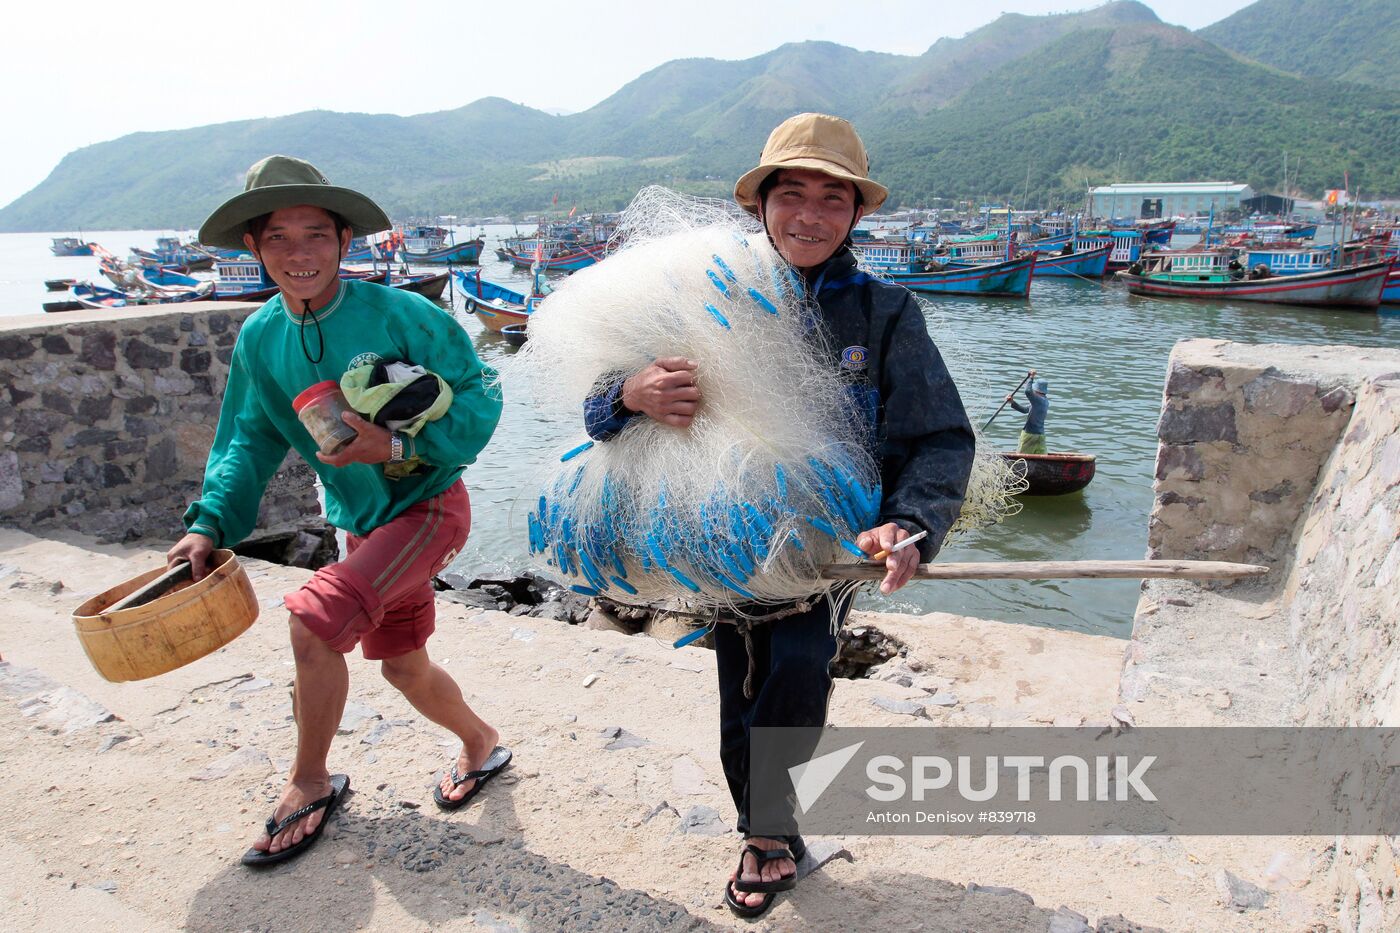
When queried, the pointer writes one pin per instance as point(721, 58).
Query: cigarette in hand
point(899, 547)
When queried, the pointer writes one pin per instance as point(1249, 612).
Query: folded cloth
point(400, 396)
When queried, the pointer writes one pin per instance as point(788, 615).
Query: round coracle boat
point(1052, 474)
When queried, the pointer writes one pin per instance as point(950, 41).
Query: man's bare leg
point(319, 701)
point(434, 693)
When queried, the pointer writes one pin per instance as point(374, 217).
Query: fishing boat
point(70, 305)
point(1011, 277)
point(70, 246)
point(1219, 274)
point(515, 334)
point(1127, 245)
point(465, 253)
point(494, 305)
point(551, 254)
point(170, 251)
point(59, 285)
point(430, 285)
point(95, 296)
point(1051, 474)
point(160, 278)
point(1068, 262)
point(246, 280)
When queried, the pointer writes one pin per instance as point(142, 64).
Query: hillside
point(1346, 40)
point(1108, 94)
point(1146, 101)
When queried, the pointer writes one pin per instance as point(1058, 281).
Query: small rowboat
point(430, 285)
point(515, 334)
point(1052, 474)
point(59, 285)
point(494, 305)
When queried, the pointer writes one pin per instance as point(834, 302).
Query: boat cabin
point(240, 276)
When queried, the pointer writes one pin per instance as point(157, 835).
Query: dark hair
point(771, 181)
point(258, 224)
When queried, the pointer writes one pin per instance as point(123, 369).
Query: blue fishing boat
point(1011, 277)
point(170, 251)
point(1089, 263)
point(494, 305)
point(95, 296)
point(70, 246)
point(464, 253)
point(158, 277)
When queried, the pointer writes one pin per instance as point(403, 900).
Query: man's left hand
point(370, 446)
point(899, 566)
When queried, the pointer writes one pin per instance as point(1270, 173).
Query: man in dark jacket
point(810, 189)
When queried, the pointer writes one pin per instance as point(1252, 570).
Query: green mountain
point(1346, 40)
point(1135, 103)
point(1027, 109)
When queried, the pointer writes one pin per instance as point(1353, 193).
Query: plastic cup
point(320, 408)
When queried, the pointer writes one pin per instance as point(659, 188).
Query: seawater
point(1103, 351)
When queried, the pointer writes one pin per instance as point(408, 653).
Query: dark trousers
point(791, 684)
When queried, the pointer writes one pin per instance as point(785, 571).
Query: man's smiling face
point(808, 215)
point(301, 251)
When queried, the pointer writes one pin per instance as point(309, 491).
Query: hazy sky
point(78, 72)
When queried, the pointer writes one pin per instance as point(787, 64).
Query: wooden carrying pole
point(1057, 570)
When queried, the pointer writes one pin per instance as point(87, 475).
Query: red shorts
point(381, 595)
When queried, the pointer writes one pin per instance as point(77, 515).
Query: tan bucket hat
point(283, 181)
point(817, 141)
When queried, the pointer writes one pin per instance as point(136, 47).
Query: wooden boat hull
point(468, 252)
point(1011, 278)
point(1354, 287)
point(94, 296)
point(1390, 295)
point(494, 305)
point(571, 261)
point(1089, 264)
point(1052, 474)
point(429, 286)
point(59, 285)
point(82, 249)
point(515, 334)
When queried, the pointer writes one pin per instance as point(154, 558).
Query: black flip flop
point(495, 763)
point(769, 889)
point(257, 858)
point(761, 856)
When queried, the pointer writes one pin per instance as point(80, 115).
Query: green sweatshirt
point(363, 323)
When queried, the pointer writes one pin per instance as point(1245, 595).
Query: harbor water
point(1103, 352)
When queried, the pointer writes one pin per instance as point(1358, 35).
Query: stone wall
point(1287, 456)
point(108, 417)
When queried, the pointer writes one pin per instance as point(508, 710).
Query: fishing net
point(772, 479)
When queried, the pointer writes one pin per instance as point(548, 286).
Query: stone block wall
point(1243, 434)
point(1290, 456)
point(108, 417)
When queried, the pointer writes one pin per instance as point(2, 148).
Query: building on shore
point(1151, 200)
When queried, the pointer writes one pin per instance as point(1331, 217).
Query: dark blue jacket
point(920, 433)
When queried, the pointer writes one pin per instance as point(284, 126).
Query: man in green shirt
point(401, 529)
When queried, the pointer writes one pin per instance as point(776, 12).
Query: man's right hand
point(195, 548)
point(664, 391)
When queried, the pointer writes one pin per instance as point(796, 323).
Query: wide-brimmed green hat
point(281, 181)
